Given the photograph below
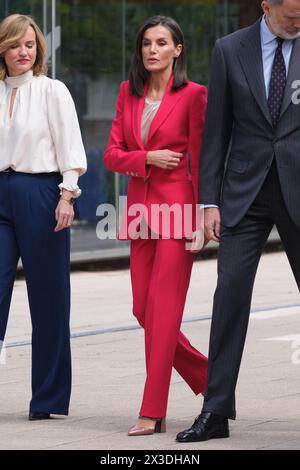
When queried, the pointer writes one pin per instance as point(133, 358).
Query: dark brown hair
point(138, 75)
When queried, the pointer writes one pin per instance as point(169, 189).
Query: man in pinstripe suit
point(249, 182)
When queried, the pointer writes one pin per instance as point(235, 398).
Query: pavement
point(109, 371)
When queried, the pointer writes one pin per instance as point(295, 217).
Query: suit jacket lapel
point(169, 100)
point(293, 74)
point(250, 57)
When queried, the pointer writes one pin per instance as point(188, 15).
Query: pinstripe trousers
point(239, 254)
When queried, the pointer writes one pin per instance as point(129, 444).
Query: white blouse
point(43, 134)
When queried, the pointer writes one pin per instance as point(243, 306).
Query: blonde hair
point(12, 29)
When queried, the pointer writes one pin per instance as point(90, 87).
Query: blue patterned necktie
point(277, 83)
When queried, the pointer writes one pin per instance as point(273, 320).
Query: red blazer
point(177, 126)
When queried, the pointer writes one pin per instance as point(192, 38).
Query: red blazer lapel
point(138, 104)
point(168, 103)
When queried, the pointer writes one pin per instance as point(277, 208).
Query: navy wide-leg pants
point(27, 222)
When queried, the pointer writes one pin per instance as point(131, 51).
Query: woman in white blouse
point(42, 156)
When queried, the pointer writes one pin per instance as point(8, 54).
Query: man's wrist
point(210, 206)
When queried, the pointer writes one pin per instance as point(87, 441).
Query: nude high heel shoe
point(148, 426)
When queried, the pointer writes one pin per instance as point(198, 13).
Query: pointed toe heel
point(155, 426)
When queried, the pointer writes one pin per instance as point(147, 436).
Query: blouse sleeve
point(65, 131)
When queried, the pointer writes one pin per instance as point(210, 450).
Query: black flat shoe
point(206, 426)
point(35, 415)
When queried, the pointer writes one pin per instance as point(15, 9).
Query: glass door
point(52, 32)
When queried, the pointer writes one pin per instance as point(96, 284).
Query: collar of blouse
point(19, 80)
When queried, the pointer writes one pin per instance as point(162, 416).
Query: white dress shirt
point(43, 134)
point(268, 47)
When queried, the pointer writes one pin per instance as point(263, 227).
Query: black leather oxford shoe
point(35, 415)
point(206, 426)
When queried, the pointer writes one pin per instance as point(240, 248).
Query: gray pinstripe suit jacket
point(239, 142)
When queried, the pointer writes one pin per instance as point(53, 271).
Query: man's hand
point(212, 224)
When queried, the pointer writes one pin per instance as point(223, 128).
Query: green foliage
point(93, 39)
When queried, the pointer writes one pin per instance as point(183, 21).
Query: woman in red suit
point(155, 138)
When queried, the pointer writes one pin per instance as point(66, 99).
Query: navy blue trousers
point(27, 221)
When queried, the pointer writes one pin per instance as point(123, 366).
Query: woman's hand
point(64, 212)
point(165, 159)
